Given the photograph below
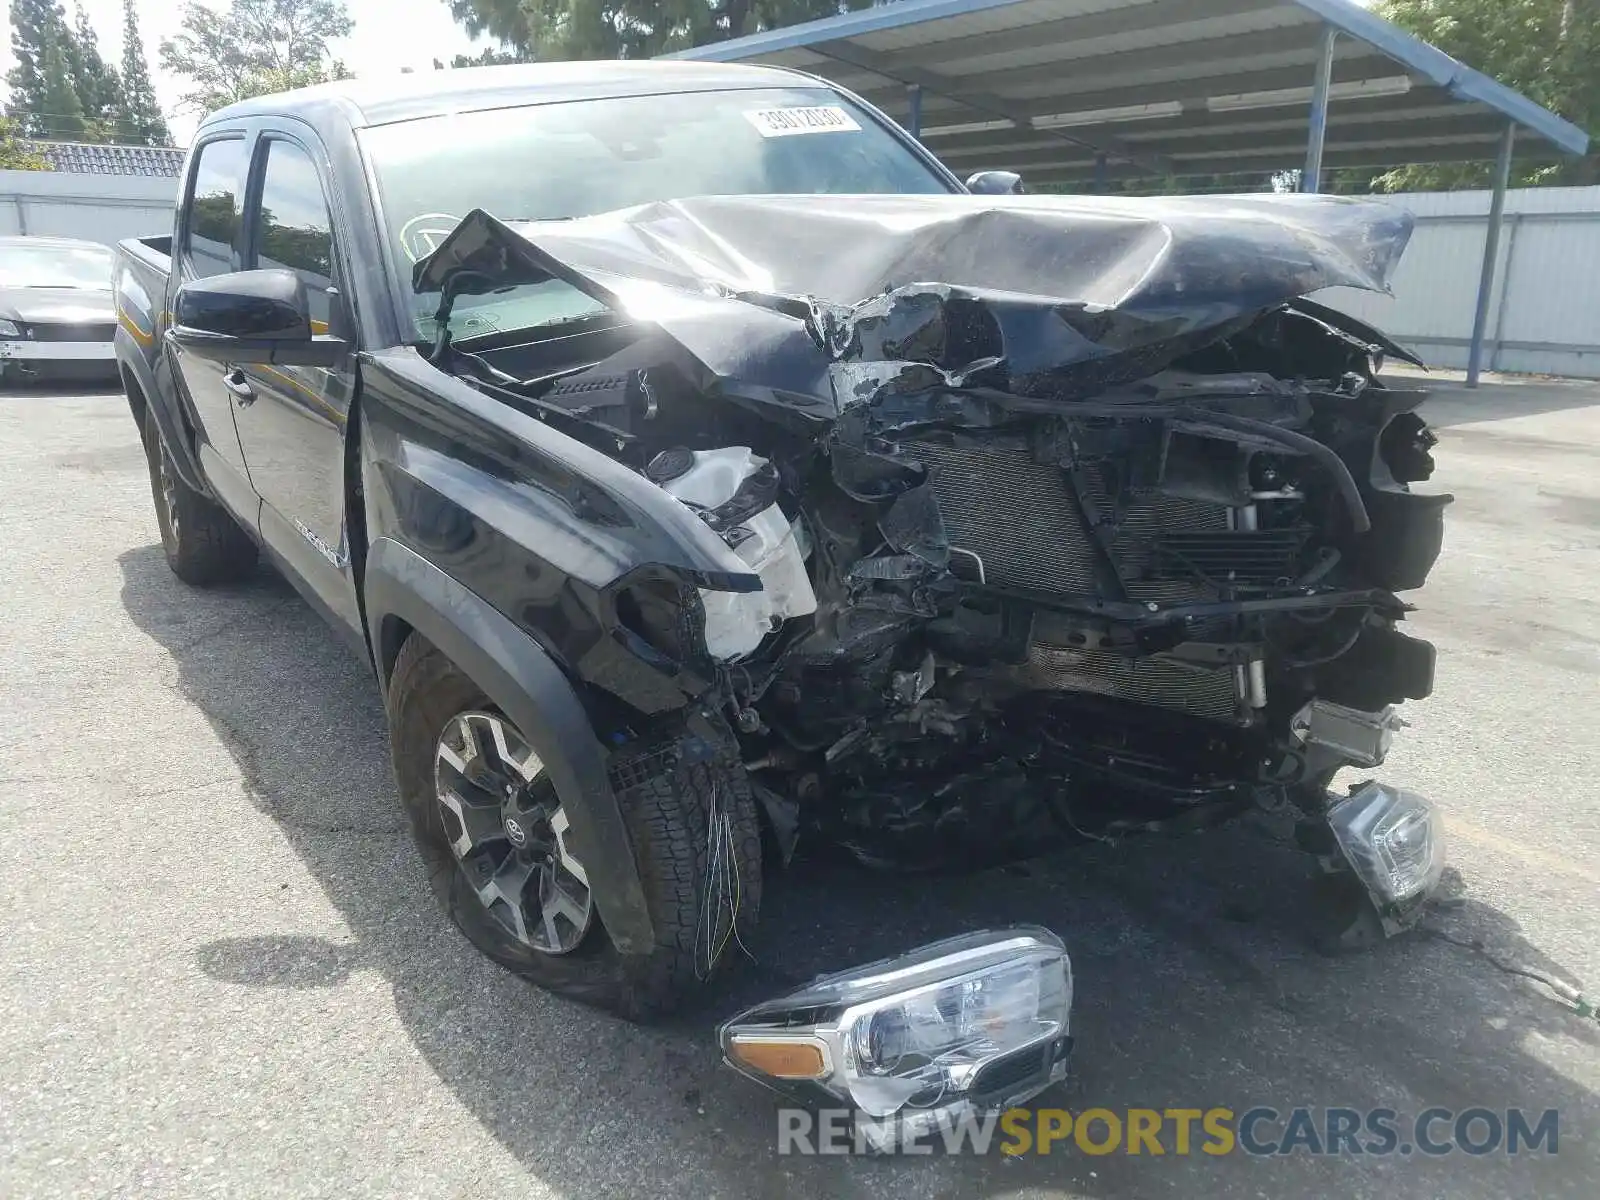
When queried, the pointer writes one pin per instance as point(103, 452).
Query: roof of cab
point(387, 99)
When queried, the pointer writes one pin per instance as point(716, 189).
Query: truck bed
point(152, 252)
point(144, 266)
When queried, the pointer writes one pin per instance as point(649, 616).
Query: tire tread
point(666, 815)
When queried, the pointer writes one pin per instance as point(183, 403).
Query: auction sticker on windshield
point(786, 122)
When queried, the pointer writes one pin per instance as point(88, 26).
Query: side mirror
point(252, 317)
point(995, 183)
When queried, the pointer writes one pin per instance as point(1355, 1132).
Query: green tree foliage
point(139, 120)
point(286, 79)
point(96, 82)
point(64, 119)
point(254, 47)
point(1546, 49)
point(86, 103)
point(492, 56)
point(565, 29)
point(17, 154)
point(35, 24)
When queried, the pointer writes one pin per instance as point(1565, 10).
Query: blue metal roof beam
point(1415, 55)
point(1454, 77)
point(1086, 27)
point(982, 102)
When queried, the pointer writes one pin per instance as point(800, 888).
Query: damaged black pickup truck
point(746, 478)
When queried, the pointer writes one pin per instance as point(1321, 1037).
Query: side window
point(294, 229)
point(214, 212)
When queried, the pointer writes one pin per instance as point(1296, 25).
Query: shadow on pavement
point(93, 385)
point(1195, 986)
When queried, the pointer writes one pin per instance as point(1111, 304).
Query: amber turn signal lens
point(781, 1060)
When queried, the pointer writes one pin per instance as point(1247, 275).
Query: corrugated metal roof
point(1181, 86)
point(86, 158)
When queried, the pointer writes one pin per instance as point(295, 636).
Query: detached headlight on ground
point(979, 1020)
point(1394, 840)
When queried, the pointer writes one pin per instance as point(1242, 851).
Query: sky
point(388, 35)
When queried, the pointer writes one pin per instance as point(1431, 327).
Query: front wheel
point(494, 836)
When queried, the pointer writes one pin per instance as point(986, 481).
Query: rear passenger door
point(292, 426)
point(209, 242)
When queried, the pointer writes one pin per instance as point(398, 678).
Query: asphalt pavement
point(221, 972)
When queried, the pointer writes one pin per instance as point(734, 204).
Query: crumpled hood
point(1059, 294)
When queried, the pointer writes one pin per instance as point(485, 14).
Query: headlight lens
point(1393, 839)
point(9, 329)
point(982, 1018)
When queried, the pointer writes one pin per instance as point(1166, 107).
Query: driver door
point(208, 243)
point(292, 419)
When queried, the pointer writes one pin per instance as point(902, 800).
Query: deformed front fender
point(527, 685)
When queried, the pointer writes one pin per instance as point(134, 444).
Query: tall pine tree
point(99, 90)
point(35, 25)
point(140, 120)
point(61, 114)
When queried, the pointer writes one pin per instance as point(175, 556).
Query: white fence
point(99, 208)
point(1544, 314)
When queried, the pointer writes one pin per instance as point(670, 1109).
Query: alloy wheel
point(168, 480)
point(509, 832)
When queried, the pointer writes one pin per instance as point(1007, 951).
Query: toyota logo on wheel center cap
point(515, 831)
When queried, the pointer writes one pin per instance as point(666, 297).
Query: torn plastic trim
point(1354, 327)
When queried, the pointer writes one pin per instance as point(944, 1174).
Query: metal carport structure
point(1082, 92)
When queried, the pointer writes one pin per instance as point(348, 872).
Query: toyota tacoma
point(702, 468)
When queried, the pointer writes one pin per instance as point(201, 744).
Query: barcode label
point(786, 122)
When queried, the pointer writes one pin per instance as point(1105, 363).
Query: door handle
point(243, 393)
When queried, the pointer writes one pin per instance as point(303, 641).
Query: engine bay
point(1011, 591)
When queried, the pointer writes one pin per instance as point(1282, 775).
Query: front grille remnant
point(1158, 680)
point(1019, 516)
point(43, 332)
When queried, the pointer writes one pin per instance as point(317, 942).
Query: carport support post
point(1491, 253)
point(914, 110)
point(1102, 173)
point(1311, 177)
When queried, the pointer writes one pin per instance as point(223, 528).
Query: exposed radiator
point(1145, 520)
point(1240, 556)
point(1023, 519)
point(1017, 515)
point(1160, 681)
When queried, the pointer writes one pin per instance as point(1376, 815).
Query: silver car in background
point(57, 316)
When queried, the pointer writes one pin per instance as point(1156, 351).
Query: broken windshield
point(573, 159)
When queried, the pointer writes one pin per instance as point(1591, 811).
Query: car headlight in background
point(9, 329)
point(1393, 840)
point(979, 1021)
